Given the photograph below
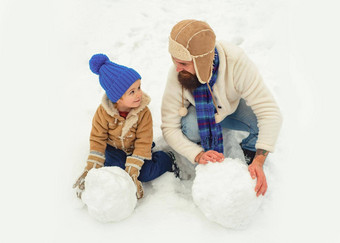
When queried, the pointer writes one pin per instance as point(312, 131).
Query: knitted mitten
point(95, 160)
point(132, 166)
point(80, 184)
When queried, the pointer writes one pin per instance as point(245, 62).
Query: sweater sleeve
point(144, 136)
point(250, 85)
point(171, 120)
point(98, 139)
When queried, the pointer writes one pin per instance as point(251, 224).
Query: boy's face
point(131, 98)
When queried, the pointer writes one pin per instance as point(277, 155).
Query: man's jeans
point(243, 119)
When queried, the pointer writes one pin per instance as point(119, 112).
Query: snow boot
point(175, 168)
point(248, 155)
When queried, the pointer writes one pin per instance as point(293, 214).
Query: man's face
point(184, 66)
point(186, 74)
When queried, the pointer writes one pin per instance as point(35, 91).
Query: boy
point(121, 132)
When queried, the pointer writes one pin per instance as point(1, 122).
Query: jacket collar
point(132, 118)
point(111, 108)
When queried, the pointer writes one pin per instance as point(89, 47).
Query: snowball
point(225, 194)
point(110, 194)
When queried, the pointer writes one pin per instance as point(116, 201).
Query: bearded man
point(214, 85)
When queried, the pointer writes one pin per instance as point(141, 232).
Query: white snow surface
point(224, 192)
point(110, 194)
point(48, 96)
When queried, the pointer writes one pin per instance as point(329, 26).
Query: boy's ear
point(118, 101)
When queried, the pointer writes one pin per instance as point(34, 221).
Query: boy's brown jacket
point(133, 135)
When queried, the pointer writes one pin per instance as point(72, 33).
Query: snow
point(110, 194)
point(48, 96)
point(224, 192)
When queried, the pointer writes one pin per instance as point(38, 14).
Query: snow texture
point(110, 194)
point(224, 192)
point(49, 96)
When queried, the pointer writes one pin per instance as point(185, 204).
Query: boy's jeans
point(151, 169)
point(243, 119)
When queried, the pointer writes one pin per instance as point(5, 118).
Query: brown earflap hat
point(194, 40)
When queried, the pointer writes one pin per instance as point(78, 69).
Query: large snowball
point(225, 193)
point(110, 194)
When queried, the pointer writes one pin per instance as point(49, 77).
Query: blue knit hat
point(115, 79)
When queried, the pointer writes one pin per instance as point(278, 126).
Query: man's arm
point(256, 171)
point(249, 83)
point(171, 120)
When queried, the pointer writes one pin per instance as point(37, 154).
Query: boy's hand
point(80, 184)
point(134, 173)
point(132, 166)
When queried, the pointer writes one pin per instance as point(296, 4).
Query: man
point(214, 85)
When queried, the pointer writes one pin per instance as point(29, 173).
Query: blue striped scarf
point(210, 131)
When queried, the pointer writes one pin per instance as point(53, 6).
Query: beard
point(188, 81)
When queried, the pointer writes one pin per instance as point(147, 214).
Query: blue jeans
point(151, 169)
point(243, 119)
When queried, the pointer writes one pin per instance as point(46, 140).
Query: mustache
point(188, 81)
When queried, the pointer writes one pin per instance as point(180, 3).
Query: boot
point(248, 155)
point(175, 168)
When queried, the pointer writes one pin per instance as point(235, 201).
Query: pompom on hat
point(194, 40)
point(114, 78)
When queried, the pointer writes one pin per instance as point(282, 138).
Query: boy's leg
point(114, 157)
point(151, 169)
point(243, 119)
point(158, 165)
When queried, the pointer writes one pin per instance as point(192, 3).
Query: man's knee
point(189, 125)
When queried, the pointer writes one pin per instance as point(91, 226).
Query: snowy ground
point(48, 97)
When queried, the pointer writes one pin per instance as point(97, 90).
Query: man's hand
point(256, 171)
point(210, 155)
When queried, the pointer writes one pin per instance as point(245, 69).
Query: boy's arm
point(144, 137)
point(142, 151)
point(98, 139)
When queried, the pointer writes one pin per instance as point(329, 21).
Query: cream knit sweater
point(237, 78)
